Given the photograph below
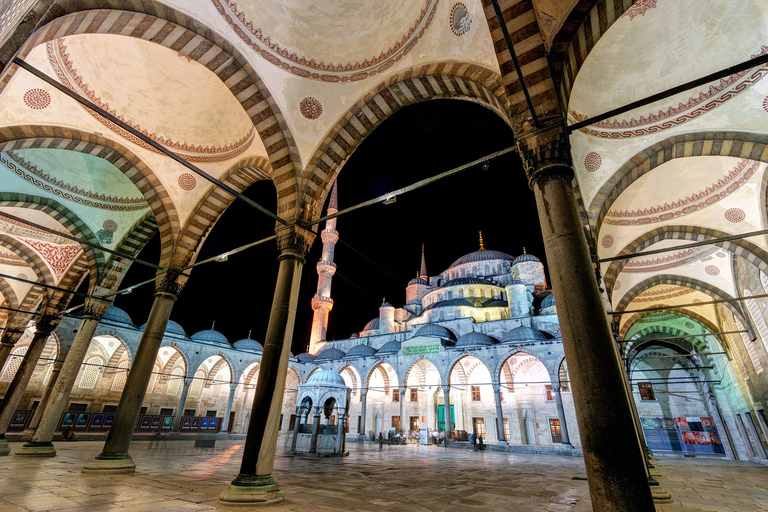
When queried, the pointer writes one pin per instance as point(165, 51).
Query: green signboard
point(421, 349)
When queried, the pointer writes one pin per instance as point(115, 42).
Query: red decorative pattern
point(25, 170)
point(311, 108)
point(661, 291)
point(461, 20)
point(765, 104)
point(617, 285)
point(731, 182)
point(678, 293)
point(712, 270)
point(696, 301)
point(58, 257)
point(9, 258)
point(187, 181)
point(735, 215)
point(674, 116)
point(22, 275)
point(109, 226)
point(593, 161)
point(639, 8)
point(191, 152)
point(607, 241)
point(669, 261)
point(309, 67)
point(37, 98)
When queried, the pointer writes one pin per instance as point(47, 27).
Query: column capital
point(12, 334)
point(232, 386)
point(95, 308)
point(556, 385)
point(546, 152)
point(170, 282)
point(45, 324)
point(294, 240)
point(496, 387)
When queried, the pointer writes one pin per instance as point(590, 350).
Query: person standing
point(480, 445)
point(473, 440)
point(381, 441)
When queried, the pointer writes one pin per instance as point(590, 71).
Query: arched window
point(449, 295)
point(12, 366)
point(91, 373)
point(153, 379)
point(196, 388)
point(487, 317)
point(461, 293)
point(482, 293)
point(120, 377)
point(471, 292)
point(174, 384)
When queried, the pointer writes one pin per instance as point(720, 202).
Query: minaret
point(423, 272)
point(322, 303)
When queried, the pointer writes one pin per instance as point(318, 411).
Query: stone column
point(447, 412)
point(364, 395)
point(228, 410)
point(40, 444)
point(402, 409)
point(614, 462)
point(499, 413)
point(32, 426)
point(561, 414)
point(299, 416)
point(19, 383)
point(114, 457)
point(255, 483)
point(182, 402)
point(711, 403)
point(315, 431)
point(10, 336)
point(340, 434)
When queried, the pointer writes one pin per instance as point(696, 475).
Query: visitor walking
point(480, 445)
point(381, 441)
point(473, 440)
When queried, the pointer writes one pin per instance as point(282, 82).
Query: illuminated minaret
point(322, 303)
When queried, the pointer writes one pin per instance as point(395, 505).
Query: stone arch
point(354, 376)
point(704, 322)
point(738, 144)
point(7, 291)
point(37, 294)
point(161, 24)
point(173, 361)
point(380, 366)
point(132, 245)
point(57, 137)
point(742, 247)
point(120, 354)
point(217, 366)
point(429, 81)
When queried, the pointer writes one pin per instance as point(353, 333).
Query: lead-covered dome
point(526, 257)
point(211, 336)
point(435, 331)
point(171, 328)
point(523, 333)
point(249, 344)
point(330, 353)
point(372, 325)
point(361, 351)
point(306, 357)
point(116, 314)
point(482, 255)
point(392, 347)
point(326, 378)
point(467, 280)
point(475, 339)
point(418, 280)
point(548, 301)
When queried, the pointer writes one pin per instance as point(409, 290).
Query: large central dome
point(482, 255)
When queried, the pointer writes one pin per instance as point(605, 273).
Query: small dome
point(386, 304)
point(392, 347)
point(466, 280)
point(330, 353)
point(361, 351)
point(482, 255)
point(523, 333)
point(249, 344)
point(354, 335)
point(326, 378)
point(495, 303)
point(418, 280)
point(474, 339)
point(210, 336)
point(548, 301)
point(116, 314)
point(450, 303)
point(174, 328)
point(435, 331)
point(373, 325)
point(306, 357)
point(526, 257)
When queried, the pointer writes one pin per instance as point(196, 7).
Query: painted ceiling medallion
point(607, 241)
point(712, 270)
point(617, 285)
point(37, 98)
point(690, 325)
point(639, 8)
point(311, 108)
point(109, 226)
point(187, 181)
point(593, 161)
point(461, 20)
point(765, 104)
point(314, 67)
point(735, 215)
point(22, 275)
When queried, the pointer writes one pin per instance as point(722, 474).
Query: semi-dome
point(435, 331)
point(330, 353)
point(526, 257)
point(306, 357)
point(326, 378)
point(211, 336)
point(116, 314)
point(474, 339)
point(467, 280)
point(523, 333)
point(548, 301)
point(418, 280)
point(372, 325)
point(249, 344)
point(361, 351)
point(450, 303)
point(482, 255)
point(392, 347)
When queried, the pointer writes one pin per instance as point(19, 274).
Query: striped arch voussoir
point(711, 327)
point(54, 137)
point(433, 81)
point(132, 244)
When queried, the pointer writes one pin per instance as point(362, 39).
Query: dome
point(373, 325)
point(306, 357)
point(386, 304)
point(418, 280)
point(495, 303)
point(450, 302)
point(526, 257)
point(210, 336)
point(326, 378)
point(523, 333)
point(361, 351)
point(548, 301)
point(354, 335)
point(482, 255)
point(249, 344)
point(392, 347)
point(329, 353)
point(174, 328)
point(435, 331)
point(116, 314)
point(466, 280)
point(474, 339)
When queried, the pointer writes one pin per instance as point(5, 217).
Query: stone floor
point(180, 477)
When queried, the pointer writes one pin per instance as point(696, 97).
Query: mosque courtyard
point(178, 476)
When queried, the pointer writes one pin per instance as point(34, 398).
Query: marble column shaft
point(364, 395)
point(447, 412)
point(566, 440)
point(315, 432)
point(340, 434)
point(299, 416)
point(614, 462)
point(35, 421)
point(228, 410)
point(182, 402)
point(402, 391)
point(499, 412)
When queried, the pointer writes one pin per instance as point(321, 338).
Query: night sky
point(380, 246)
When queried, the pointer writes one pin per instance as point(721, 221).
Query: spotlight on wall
point(391, 198)
point(222, 258)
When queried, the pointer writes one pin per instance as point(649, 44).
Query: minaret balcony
point(324, 303)
point(329, 236)
point(326, 267)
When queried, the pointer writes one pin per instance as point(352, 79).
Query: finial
point(213, 325)
point(422, 247)
point(524, 251)
point(481, 241)
point(249, 334)
point(383, 301)
point(418, 274)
